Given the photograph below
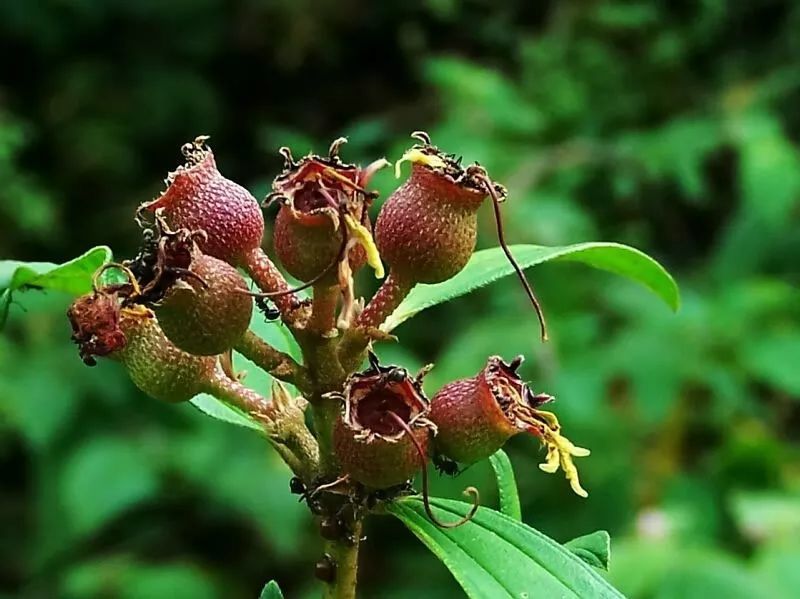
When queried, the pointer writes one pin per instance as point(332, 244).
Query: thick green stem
point(345, 555)
point(234, 393)
point(277, 363)
point(325, 414)
point(282, 418)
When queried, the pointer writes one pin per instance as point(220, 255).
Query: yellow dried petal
point(560, 452)
point(419, 157)
point(552, 460)
point(364, 237)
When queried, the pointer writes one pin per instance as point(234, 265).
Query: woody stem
point(277, 363)
point(234, 393)
point(345, 556)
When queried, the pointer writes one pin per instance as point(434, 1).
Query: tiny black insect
point(325, 569)
point(446, 466)
point(269, 312)
point(296, 486)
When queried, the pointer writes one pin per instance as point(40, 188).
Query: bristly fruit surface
point(426, 230)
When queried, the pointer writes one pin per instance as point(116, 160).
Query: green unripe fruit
point(156, 365)
point(130, 334)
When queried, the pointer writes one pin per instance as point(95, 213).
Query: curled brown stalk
point(470, 491)
point(490, 189)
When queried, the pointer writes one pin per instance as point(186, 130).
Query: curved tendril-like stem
point(470, 491)
point(422, 136)
point(336, 144)
point(340, 255)
point(502, 240)
point(125, 270)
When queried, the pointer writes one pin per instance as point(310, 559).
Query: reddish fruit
point(476, 416)
point(103, 326)
point(202, 303)
point(199, 198)
point(206, 315)
point(371, 439)
point(318, 194)
point(426, 230)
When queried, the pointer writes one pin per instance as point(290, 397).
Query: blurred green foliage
point(668, 126)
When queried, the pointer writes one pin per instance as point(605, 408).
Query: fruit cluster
point(173, 315)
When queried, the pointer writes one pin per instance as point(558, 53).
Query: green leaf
point(506, 485)
point(102, 479)
point(487, 266)
point(495, 556)
point(73, 277)
point(271, 590)
point(594, 548)
point(767, 357)
point(211, 406)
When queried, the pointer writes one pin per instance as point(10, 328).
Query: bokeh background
point(673, 127)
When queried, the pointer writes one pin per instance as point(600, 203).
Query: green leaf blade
point(594, 548)
point(495, 556)
point(486, 266)
point(271, 590)
point(211, 406)
point(506, 485)
point(73, 277)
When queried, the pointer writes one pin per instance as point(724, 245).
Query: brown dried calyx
point(164, 258)
point(383, 436)
point(95, 320)
point(449, 167)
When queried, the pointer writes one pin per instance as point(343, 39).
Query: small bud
point(476, 416)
